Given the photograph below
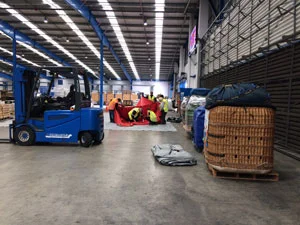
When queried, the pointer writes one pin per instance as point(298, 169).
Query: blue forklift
point(45, 119)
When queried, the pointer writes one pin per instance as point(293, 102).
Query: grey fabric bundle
point(172, 155)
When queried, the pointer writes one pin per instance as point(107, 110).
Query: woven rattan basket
point(240, 139)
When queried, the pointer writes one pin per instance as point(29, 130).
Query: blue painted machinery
point(42, 118)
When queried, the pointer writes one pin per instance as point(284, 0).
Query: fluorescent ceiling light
point(44, 35)
point(115, 25)
point(1, 32)
point(159, 21)
point(39, 53)
point(19, 57)
point(77, 31)
point(34, 50)
point(7, 63)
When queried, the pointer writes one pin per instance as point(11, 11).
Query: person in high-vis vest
point(164, 108)
point(151, 116)
point(112, 107)
point(151, 97)
point(134, 114)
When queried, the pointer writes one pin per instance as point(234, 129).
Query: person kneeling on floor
point(134, 114)
point(164, 108)
point(151, 116)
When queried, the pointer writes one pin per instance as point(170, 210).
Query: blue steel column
point(17, 87)
point(14, 52)
point(101, 74)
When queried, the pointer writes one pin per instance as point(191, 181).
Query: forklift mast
point(23, 84)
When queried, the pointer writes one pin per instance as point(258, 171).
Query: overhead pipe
point(86, 13)
point(101, 74)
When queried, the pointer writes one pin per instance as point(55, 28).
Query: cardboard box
point(119, 96)
point(110, 96)
point(134, 97)
point(95, 96)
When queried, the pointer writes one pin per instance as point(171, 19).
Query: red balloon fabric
point(121, 113)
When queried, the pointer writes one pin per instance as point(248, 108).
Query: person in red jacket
point(112, 107)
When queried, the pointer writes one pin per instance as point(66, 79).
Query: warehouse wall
point(158, 87)
point(251, 27)
point(279, 72)
point(189, 63)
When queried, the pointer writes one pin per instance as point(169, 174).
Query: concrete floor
point(119, 182)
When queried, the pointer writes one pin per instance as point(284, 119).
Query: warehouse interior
point(71, 152)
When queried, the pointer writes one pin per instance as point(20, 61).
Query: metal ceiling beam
point(148, 6)
point(19, 65)
point(9, 30)
point(5, 76)
point(75, 15)
point(113, 39)
point(111, 32)
point(85, 12)
point(41, 23)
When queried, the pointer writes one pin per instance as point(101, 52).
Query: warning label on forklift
point(66, 136)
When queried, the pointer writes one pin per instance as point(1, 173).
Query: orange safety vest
point(112, 104)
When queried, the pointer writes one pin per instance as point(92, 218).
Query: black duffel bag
point(243, 94)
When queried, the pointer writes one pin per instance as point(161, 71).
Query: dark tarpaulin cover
point(243, 94)
point(121, 113)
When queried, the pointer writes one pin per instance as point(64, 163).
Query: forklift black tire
point(98, 142)
point(24, 136)
point(86, 139)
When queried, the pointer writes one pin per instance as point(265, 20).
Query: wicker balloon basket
point(240, 139)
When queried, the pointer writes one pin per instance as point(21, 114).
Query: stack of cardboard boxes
point(6, 110)
point(127, 96)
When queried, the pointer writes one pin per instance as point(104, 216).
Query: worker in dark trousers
point(164, 108)
point(151, 96)
point(112, 107)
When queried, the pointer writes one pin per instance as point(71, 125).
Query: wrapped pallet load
point(194, 102)
point(197, 99)
point(239, 129)
point(183, 107)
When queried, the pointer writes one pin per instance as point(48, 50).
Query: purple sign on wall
point(193, 42)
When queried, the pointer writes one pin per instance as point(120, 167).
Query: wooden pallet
point(6, 118)
point(272, 176)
